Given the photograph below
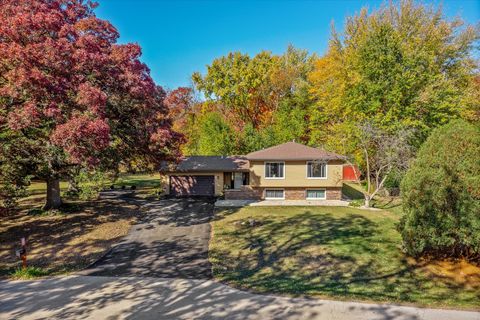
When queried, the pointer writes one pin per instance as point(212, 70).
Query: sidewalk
point(85, 297)
point(274, 203)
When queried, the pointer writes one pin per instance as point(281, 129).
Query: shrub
point(90, 183)
point(441, 195)
point(393, 181)
point(10, 193)
point(356, 203)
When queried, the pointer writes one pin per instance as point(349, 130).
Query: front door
point(238, 180)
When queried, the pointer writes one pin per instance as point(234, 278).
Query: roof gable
point(293, 151)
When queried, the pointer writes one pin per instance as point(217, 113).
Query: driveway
point(171, 241)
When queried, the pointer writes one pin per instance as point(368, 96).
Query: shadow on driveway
point(171, 241)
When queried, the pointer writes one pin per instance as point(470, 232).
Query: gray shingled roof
point(211, 164)
point(293, 151)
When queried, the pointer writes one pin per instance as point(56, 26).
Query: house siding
point(296, 175)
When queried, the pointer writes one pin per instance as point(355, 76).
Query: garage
point(192, 185)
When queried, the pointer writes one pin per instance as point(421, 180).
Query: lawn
point(141, 181)
point(71, 238)
point(343, 253)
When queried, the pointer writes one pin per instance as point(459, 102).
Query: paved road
point(83, 297)
point(170, 241)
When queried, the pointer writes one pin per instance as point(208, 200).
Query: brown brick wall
point(245, 193)
point(334, 193)
point(297, 193)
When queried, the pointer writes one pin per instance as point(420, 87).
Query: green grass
point(338, 252)
point(28, 273)
point(40, 187)
point(141, 181)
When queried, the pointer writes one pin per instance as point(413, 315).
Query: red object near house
point(350, 172)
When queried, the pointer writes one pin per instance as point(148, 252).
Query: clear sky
point(180, 37)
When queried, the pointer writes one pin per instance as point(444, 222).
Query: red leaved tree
point(71, 96)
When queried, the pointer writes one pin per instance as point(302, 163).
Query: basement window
point(274, 194)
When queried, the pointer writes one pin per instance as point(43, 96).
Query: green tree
point(404, 65)
point(250, 89)
point(241, 84)
point(441, 194)
point(216, 137)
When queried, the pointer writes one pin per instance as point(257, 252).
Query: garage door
point(192, 185)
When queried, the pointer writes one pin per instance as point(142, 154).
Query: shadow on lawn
point(294, 255)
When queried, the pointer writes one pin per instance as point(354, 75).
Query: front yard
point(343, 253)
point(71, 238)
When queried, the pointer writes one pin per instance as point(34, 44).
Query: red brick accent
point(295, 193)
point(244, 193)
point(334, 193)
point(291, 193)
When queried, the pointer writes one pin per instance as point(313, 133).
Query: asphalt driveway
point(171, 241)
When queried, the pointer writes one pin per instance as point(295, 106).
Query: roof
point(293, 151)
point(211, 164)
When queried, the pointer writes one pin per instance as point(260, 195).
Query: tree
point(73, 97)
point(250, 89)
point(216, 137)
point(241, 84)
point(180, 103)
point(404, 65)
point(383, 154)
point(441, 195)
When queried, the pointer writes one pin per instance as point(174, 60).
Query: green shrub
point(357, 203)
point(393, 181)
point(10, 193)
point(89, 184)
point(441, 195)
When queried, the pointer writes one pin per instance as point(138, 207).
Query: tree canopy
point(71, 96)
point(404, 65)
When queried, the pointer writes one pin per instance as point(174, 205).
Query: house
point(289, 171)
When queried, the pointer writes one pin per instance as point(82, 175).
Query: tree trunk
point(54, 201)
point(367, 201)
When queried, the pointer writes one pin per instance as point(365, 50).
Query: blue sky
point(180, 37)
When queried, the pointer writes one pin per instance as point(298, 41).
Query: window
point(274, 194)
point(274, 170)
point(315, 194)
point(316, 170)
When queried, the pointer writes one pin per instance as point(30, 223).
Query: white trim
point(265, 170)
point(275, 189)
point(316, 178)
point(316, 189)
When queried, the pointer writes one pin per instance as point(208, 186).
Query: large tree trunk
point(54, 201)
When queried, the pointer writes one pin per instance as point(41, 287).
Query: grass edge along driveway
point(333, 252)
